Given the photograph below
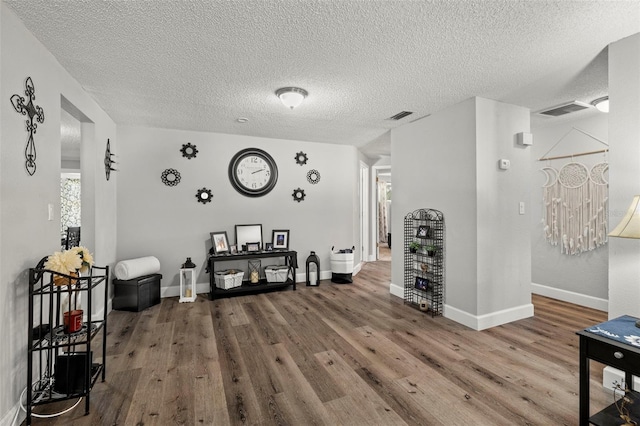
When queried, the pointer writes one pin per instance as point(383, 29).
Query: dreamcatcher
point(575, 203)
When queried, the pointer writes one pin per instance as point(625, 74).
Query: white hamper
point(342, 265)
point(228, 279)
point(276, 273)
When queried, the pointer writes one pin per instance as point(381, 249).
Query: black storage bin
point(70, 372)
point(136, 294)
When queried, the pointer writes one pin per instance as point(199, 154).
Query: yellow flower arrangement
point(69, 262)
point(86, 257)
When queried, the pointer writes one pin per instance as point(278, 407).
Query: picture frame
point(219, 242)
point(233, 249)
point(268, 246)
point(421, 283)
point(253, 247)
point(248, 234)
point(424, 231)
point(280, 239)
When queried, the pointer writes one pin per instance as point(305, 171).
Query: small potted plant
point(414, 247)
point(431, 249)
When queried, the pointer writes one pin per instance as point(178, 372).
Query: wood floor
point(337, 355)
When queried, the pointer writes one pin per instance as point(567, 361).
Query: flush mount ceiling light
point(601, 104)
point(291, 97)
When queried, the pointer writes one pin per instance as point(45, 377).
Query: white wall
point(581, 279)
point(450, 163)
point(437, 154)
point(504, 243)
point(624, 140)
point(169, 223)
point(27, 235)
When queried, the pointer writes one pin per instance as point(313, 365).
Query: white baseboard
point(357, 268)
point(482, 322)
point(475, 322)
point(396, 290)
point(10, 417)
point(571, 297)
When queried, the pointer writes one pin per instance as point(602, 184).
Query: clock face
point(253, 172)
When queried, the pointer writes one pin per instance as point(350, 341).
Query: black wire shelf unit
point(424, 254)
point(64, 365)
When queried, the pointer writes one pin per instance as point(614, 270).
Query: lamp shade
point(291, 97)
point(629, 226)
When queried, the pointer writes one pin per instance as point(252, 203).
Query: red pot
point(73, 321)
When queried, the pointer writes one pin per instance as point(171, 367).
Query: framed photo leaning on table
point(220, 242)
point(280, 239)
point(253, 247)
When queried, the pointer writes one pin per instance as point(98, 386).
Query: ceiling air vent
point(563, 109)
point(400, 115)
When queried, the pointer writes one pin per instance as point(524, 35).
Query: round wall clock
point(253, 172)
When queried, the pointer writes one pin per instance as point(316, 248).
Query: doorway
point(70, 176)
point(364, 211)
point(77, 149)
point(383, 223)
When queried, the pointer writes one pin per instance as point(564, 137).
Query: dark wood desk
point(606, 343)
point(290, 260)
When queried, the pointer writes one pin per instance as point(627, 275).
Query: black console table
point(290, 260)
point(607, 343)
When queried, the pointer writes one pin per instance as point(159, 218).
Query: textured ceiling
point(201, 64)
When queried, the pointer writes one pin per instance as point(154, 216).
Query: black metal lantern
point(313, 277)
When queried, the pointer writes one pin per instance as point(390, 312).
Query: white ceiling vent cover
point(563, 109)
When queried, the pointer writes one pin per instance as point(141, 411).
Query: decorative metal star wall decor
point(313, 176)
point(301, 158)
point(170, 177)
point(188, 151)
point(32, 111)
point(204, 195)
point(298, 194)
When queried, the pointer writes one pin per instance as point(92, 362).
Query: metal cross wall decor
point(108, 161)
point(33, 111)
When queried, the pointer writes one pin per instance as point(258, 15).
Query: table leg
point(628, 380)
point(584, 383)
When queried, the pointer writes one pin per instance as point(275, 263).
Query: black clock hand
point(261, 170)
